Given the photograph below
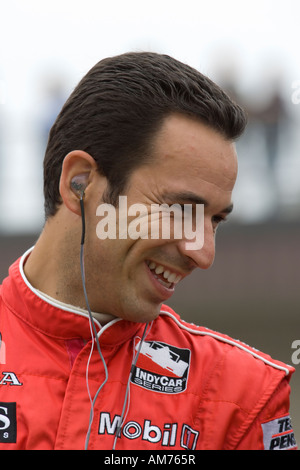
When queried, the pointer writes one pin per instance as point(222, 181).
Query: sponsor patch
point(161, 367)
point(279, 434)
point(8, 423)
point(9, 378)
point(167, 434)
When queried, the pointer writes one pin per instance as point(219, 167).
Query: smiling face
point(131, 278)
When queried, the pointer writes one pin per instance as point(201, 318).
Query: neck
point(53, 267)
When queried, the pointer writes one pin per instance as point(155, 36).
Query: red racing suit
point(190, 388)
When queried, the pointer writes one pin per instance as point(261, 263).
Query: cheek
point(108, 259)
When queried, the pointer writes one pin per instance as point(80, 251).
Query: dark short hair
point(117, 107)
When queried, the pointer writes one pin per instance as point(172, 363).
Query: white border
point(55, 303)
point(228, 341)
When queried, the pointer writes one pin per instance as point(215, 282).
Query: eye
point(217, 220)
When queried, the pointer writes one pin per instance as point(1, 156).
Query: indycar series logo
point(161, 367)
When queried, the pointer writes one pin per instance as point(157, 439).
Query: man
point(94, 359)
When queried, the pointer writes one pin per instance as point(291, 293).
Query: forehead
point(186, 147)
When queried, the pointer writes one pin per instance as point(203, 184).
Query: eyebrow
point(192, 198)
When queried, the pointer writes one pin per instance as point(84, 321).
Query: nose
point(201, 250)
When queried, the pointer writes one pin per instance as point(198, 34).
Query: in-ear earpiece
point(79, 184)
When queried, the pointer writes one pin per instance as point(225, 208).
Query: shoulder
point(206, 341)
point(239, 388)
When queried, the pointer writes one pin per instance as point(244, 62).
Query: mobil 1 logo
point(8, 422)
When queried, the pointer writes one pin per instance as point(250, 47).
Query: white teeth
point(172, 278)
point(159, 269)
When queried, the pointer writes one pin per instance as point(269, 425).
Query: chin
point(143, 315)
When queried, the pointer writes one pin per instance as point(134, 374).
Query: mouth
point(164, 276)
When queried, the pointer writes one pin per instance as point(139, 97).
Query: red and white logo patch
point(162, 367)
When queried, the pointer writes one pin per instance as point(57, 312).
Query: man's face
point(131, 278)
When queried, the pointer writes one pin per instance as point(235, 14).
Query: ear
point(78, 171)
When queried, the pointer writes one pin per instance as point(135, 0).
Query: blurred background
point(251, 48)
